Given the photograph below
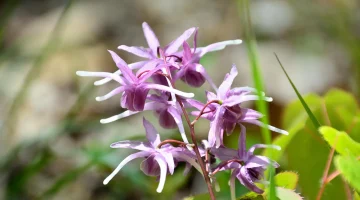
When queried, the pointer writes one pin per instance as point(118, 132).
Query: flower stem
point(174, 141)
point(193, 138)
point(196, 149)
point(203, 109)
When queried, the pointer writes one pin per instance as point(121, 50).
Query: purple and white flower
point(224, 111)
point(247, 167)
point(159, 161)
point(134, 89)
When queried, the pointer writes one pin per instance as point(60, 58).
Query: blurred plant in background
point(52, 145)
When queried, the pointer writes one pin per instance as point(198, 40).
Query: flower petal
point(114, 92)
point(245, 179)
point(150, 167)
point(216, 46)
point(124, 162)
point(119, 116)
point(242, 143)
point(187, 52)
point(250, 114)
point(168, 89)
point(125, 70)
point(177, 117)
point(232, 185)
point(195, 39)
point(256, 146)
point(216, 127)
point(237, 99)
point(131, 144)
point(244, 90)
point(183, 157)
point(224, 153)
point(151, 38)
point(226, 84)
point(139, 99)
point(166, 120)
point(169, 160)
point(196, 104)
point(118, 72)
point(163, 171)
point(110, 76)
point(139, 51)
point(272, 128)
point(261, 161)
point(199, 68)
point(151, 134)
point(175, 44)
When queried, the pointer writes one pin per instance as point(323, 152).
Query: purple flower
point(159, 161)
point(168, 112)
point(155, 55)
point(134, 88)
point(247, 167)
point(191, 71)
point(224, 111)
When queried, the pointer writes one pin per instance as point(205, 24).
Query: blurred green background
point(52, 145)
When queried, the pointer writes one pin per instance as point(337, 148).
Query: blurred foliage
point(304, 148)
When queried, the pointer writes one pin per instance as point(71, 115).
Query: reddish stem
point(203, 109)
point(196, 149)
point(193, 138)
point(172, 141)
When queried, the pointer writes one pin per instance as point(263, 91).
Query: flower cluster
point(151, 85)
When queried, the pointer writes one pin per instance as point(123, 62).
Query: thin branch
point(173, 141)
point(330, 157)
point(196, 149)
point(203, 109)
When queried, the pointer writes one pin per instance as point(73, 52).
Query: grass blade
point(258, 82)
point(306, 107)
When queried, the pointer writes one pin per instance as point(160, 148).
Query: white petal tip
point(103, 121)
point(97, 83)
point(284, 132)
point(238, 41)
point(190, 95)
point(106, 181)
point(81, 73)
point(270, 99)
point(99, 99)
point(159, 190)
point(276, 147)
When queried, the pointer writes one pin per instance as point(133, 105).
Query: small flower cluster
point(150, 85)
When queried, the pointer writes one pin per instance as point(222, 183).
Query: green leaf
point(249, 195)
point(307, 154)
point(306, 107)
point(286, 194)
point(340, 140)
point(349, 167)
point(341, 107)
point(287, 180)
